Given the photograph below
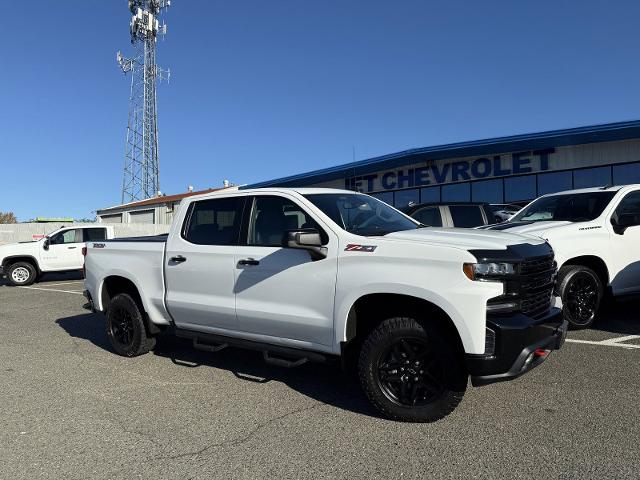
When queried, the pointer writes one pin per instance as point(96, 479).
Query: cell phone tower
point(141, 178)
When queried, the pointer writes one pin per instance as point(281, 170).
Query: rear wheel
point(125, 327)
point(22, 274)
point(411, 372)
point(581, 292)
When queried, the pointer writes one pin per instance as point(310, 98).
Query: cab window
point(272, 216)
point(66, 236)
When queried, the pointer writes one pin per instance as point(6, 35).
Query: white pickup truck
point(595, 233)
point(321, 275)
point(60, 251)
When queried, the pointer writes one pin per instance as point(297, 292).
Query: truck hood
point(538, 229)
point(464, 238)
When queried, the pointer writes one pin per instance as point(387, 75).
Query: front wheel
point(22, 274)
point(581, 292)
point(411, 372)
point(125, 327)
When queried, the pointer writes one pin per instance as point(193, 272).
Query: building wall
point(161, 214)
point(25, 232)
point(502, 178)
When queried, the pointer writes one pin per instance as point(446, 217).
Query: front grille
point(538, 277)
point(535, 265)
point(531, 289)
point(537, 304)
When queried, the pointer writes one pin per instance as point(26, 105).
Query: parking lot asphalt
point(73, 409)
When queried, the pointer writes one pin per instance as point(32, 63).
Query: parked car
point(595, 233)
point(503, 211)
point(453, 214)
point(323, 275)
point(60, 251)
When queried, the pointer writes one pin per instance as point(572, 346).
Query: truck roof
point(594, 189)
point(255, 191)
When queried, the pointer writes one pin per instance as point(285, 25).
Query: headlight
point(478, 271)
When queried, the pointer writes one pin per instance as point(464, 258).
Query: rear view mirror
point(625, 221)
point(307, 239)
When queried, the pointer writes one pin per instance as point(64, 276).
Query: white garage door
point(145, 216)
point(111, 218)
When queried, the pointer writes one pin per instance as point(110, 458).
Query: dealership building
point(498, 170)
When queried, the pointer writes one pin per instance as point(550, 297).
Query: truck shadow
point(620, 315)
point(324, 383)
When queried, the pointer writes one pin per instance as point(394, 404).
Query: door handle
point(249, 261)
point(178, 259)
point(71, 248)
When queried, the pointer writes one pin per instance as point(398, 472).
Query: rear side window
point(95, 234)
point(429, 216)
point(466, 216)
point(214, 222)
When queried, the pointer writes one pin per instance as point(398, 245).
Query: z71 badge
point(352, 247)
point(98, 245)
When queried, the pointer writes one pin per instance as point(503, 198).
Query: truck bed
point(162, 238)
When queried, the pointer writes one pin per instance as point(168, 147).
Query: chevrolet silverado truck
point(595, 234)
point(60, 251)
point(335, 276)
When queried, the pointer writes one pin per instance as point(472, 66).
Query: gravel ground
point(73, 409)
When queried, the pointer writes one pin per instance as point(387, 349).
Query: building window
point(458, 192)
point(430, 194)
point(519, 188)
point(592, 177)
point(405, 197)
point(554, 182)
point(386, 197)
point(487, 191)
point(626, 174)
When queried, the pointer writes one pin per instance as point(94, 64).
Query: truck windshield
point(572, 207)
point(362, 214)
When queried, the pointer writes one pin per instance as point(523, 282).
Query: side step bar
point(273, 354)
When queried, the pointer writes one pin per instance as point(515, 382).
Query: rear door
point(281, 292)
point(200, 262)
point(64, 252)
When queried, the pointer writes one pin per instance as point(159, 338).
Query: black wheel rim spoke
point(409, 374)
point(581, 299)
point(122, 326)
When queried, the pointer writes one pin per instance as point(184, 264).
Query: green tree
point(8, 217)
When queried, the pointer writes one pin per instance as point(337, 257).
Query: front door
point(625, 274)
point(64, 252)
point(199, 265)
point(282, 292)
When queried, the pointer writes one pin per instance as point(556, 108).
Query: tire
point(396, 395)
point(126, 329)
point(22, 274)
point(581, 292)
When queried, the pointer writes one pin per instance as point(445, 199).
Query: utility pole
point(141, 176)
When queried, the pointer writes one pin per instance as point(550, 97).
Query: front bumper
point(521, 343)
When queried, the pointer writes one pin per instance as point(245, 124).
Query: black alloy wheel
point(582, 292)
point(409, 374)
point(126, 328)
point(411, 370)
point(122, 326)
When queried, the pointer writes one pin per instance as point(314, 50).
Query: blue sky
point(266, 89)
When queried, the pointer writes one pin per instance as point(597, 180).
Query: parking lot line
point(612, 342)
point(52, 290)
